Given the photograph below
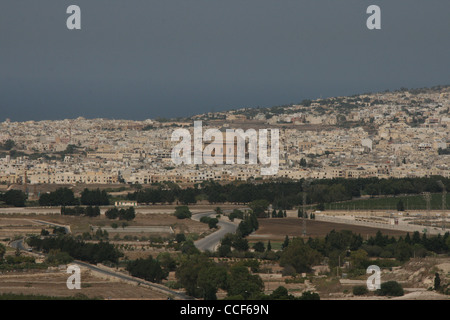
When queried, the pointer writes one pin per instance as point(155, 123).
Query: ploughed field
point(278, 228)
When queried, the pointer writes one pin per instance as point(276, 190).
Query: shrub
point(360, 290)
point(308, 295)
point(112, 213)
point(182, 212)
point(390, 288)
point(180, 237)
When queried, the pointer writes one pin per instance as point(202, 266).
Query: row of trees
point(91, 252)
point(88, 211)
point(123, 214)
point(14, 198)
point(286, 195)
point(148, 269)
point(282, 195)
point(66, 197)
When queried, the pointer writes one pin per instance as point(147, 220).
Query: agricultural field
point(277, 228)
point(11, 227)
point(93, 285)
point(414, 202)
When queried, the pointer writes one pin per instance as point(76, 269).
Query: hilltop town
point(404, 133)
point(263, 240)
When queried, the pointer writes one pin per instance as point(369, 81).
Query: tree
point(182, 212)
point(300, 256)
point(127, 214)
point(55, 257)
point(167, 262)
point(236, 214)
point(148, 269)
point(2, 251)
point(112, 213)
point(191, 275)
point(280, 293)
point(188, 247)
point(269, 246)
point(285, 243)
point(400, 206)
point(90, 252)
point(259, 207)
point(94, 197)
point(408, 238)
point(15, 198)
point(416, 237)
point(180, 237)
point(303, 163)
point(280, 214)
point(390, 288)
point(224, 250)
point(360, 290)
point(59, 197)
point(403, 251)
point(308, 295)
point(210, 278)
point(240, 244)
point(212, 223)
point(259, 246)
point(243, 283)
point(437, 281)
point(187, 196)
point(248, 225)
point(359, 259)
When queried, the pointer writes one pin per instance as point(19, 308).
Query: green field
point(416, 202)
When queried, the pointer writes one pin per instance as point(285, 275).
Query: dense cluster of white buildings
point(391, 134)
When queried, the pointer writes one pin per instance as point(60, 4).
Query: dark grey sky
point(139, 59)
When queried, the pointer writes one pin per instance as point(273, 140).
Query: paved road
point(210, 242)
point(17, 244)
point(155, 286)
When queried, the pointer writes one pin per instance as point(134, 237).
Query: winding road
point(17, 244)
point(211, 242)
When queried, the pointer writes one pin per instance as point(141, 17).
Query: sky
point(143, 59)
